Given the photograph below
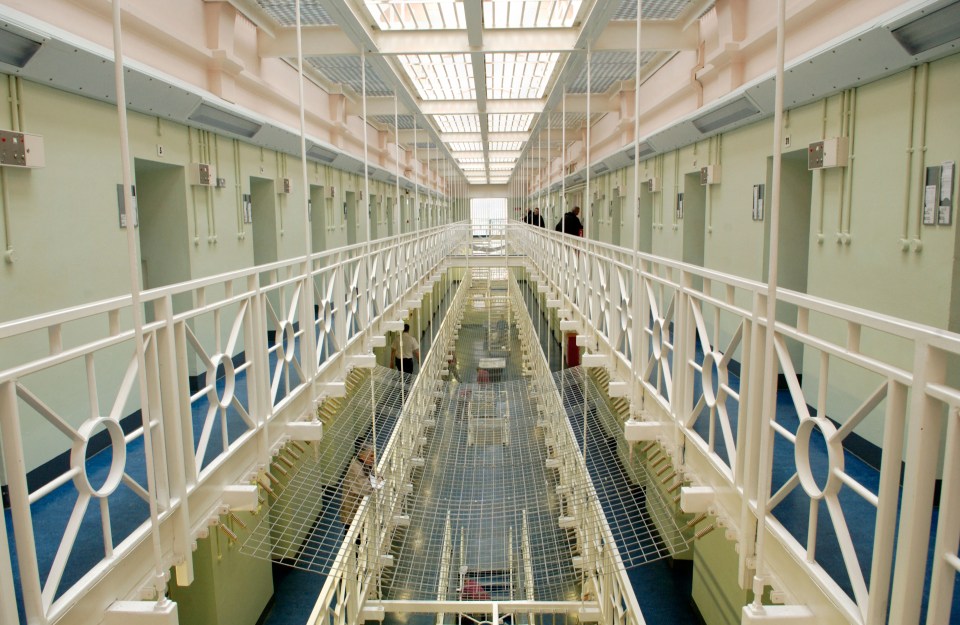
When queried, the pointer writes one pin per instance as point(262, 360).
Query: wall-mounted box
point(653, 185)
point(332, 192)
point(710, 175)
point(833, 152)
point(283, 185)
point(19, 149)
point(201, 175)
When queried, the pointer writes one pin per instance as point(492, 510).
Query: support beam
point(658, 35)
point(240, 497)
point(470, 107)
point(696, 499)
point(785, 614)
point(141, 613)
point(317, 40)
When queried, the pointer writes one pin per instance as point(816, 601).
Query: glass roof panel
point(477, 167)
point(440, 76)
point(523, 75)
point(417, 14)
point(501, 167)
point(465, 160)
point(509, 123)
point(458, 123)
point(530, 13)
point(503, 159)
point(505, 146)
point(466, 146)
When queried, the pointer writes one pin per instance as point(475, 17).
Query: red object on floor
point(573, 351)
point(472, 591)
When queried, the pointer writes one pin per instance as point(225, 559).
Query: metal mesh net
point(489, 510)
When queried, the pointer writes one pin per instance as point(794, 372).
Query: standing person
point(536, 219)
point(570, 223)
point(405, 349)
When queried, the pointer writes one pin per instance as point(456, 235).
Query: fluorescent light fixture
point(728, 114)
point(321, 154)
point(223, 120)
point(599, 168)
point(15, 49)
point(932, 30)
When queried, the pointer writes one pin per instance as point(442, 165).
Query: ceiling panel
point(524, 75)
point(440, 76)
point(417, 15)
point(346, 70)
point(284, 11)
point(652, 9)
point(530, 13)
point(607, 68)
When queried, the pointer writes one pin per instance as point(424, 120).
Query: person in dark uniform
point(571, 224)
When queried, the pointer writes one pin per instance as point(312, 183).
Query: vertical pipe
point(133, 266)
point(396, 129)
point(563, 152)
point(309, 345)
point(638, 282)
point(587, 200)
point(770, 370)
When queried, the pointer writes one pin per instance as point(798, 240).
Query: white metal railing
point(606, 584)
point(342, 597)
point(691, 340)
point(230, 360)
point(691, 337)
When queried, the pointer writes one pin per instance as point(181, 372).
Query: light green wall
point(229, 587)
point(715, 590)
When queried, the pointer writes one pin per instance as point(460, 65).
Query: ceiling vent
point(736, 111)
point(599, 168)
point(223, 120)
point(17, 50)
point(933, 29)
point(322, 154)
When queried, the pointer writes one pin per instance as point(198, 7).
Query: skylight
point(505, 146)
point(523, 75)
point(417, 15)
point(509, 123)
point(530, 13)
point(440, 76)
point(467, 146)
point(467, 160)
point(458, 123)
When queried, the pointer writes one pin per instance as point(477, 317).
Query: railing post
point(748, 458)
point(16, 470)
point(923, 443)
point(176, 455)
point(8, 607)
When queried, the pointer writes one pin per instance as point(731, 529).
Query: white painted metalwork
point(696, 324)
point(223, 333)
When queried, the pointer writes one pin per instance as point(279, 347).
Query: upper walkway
point(233, 368)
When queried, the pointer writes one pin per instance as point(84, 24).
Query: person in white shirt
point(405, 349)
